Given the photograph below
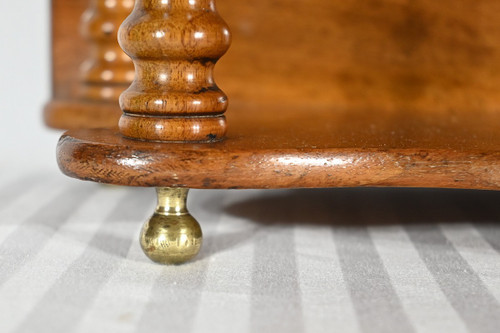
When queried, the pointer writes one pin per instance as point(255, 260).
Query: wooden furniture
point(322, 94)
point(90, 71)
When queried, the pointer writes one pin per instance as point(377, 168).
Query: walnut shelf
point(321, 94)
point(279, 147)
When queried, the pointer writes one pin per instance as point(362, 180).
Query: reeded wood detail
point(175, 45)
point(108, 71)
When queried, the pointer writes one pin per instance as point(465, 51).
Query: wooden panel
point(69, 50)
point(359, 54)
point(364, 54)
point(89, 73)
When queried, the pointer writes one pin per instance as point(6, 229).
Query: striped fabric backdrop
point(345, 260)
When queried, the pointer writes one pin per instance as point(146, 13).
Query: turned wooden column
point(90, 69)
point(108, 71)
point(175, 45)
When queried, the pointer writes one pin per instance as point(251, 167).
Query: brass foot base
point(172, 235)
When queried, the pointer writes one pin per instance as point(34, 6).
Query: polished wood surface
point(175, 46)
point(322, 94)
point(90, 71)
point(69, 48)
point(387, 54)
point(285, 147)
point(333, 93)
point(392, 55)
point(108, 71)
point(74, 114)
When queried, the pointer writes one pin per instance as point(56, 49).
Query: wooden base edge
point(106, 157)
point(60, 114)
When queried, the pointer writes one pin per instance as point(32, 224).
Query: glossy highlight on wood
point(274, 147)
point(393, 55)
point(323, 94)
point(385, 94)
point(175, 45)
point(333, 93)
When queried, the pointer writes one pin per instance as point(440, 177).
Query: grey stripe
point(175, 297)
point(482, 209)
point(14, 189)
point(30, 237)
point(458, 281)
point(491, 233)
point(75, 290)
point(372, 293)
point(176, 294)
point(275, 288)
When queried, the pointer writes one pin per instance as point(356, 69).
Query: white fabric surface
point(346, 260)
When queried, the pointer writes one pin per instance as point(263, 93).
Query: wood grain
point(90, 71)
point(108, 71)
point(392, 55)
point(332, 93)
point(174, 46)
point(69, 49)
point(289, 147)
point(74, 114)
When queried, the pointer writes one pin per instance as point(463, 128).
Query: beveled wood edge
point(276, 168)
point(61, 114)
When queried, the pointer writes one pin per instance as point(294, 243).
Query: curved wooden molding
point(286, 147)
point(174, 45)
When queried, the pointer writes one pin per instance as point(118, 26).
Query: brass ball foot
point(171, 235)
